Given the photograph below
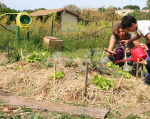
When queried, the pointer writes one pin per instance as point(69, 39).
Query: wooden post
point(86, 78)
point(24, 72)
point(142, 74)
point(103, 53)
point(8, 50)
point(137, 68)
point(52, 26)
point(54, 72)
point(50, 52)
point(119, 83)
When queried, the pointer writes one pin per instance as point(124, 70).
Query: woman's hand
point(124, 42)
point(110, 54)
point(127, 50)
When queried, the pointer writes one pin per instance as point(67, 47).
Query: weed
point(24, 109)
point(2, 103)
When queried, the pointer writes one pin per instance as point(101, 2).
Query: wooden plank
point(56, 107)
point(136, 111)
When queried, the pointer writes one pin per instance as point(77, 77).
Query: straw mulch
point(132, 93)
point(3, 57)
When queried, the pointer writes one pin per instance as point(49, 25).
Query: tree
point(73, 8)
point(148, 4)
point(144, 8)
point(2, 5)
point(132, 7)
point(101, 9)
point(119, 8)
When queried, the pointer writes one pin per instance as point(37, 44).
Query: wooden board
point(53, 42)
point(56, 107)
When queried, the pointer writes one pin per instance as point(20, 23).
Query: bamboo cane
point(142, 74)
point(119, 83)
point(21, 54)
point(54, 72)
point(24, 71)
point(86, 78)
point(103, 53)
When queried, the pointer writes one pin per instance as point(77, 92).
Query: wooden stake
point(142, 74)
point(9, 49)
point(21, 54)
point(119, 83)
point(24, 71)
point(54, 72)
point(137, 68)
point(103, 53)
point(86, 78)
point(125, 58)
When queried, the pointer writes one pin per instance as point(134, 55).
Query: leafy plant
point(69, 62)
point(119, 71)
point(47, 64)
point(102, 82)
point(37, 56)
point(59, 75)
point(96, 65)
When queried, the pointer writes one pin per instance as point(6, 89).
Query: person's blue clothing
point(148, 59)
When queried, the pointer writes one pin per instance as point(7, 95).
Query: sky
point(54, 4)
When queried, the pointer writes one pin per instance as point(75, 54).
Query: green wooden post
point(28, 36)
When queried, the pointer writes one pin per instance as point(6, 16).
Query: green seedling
point(15, 68)
point(59, 75)
point(79, 74)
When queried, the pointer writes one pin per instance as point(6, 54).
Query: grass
point(80, 54)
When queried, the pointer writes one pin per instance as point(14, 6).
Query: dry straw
point(132, 93)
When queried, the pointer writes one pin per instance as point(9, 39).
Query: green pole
point(28, 36)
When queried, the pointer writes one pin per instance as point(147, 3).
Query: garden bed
point(70, 89)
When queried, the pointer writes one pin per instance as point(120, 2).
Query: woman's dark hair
point(127, 20)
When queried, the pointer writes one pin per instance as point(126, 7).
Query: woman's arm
point(110, 48)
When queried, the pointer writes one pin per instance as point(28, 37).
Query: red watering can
point(137, 52)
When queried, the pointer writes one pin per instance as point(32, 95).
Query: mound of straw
point(70, 89)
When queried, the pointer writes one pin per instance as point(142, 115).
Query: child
point(147, 64)
point(142, 28)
